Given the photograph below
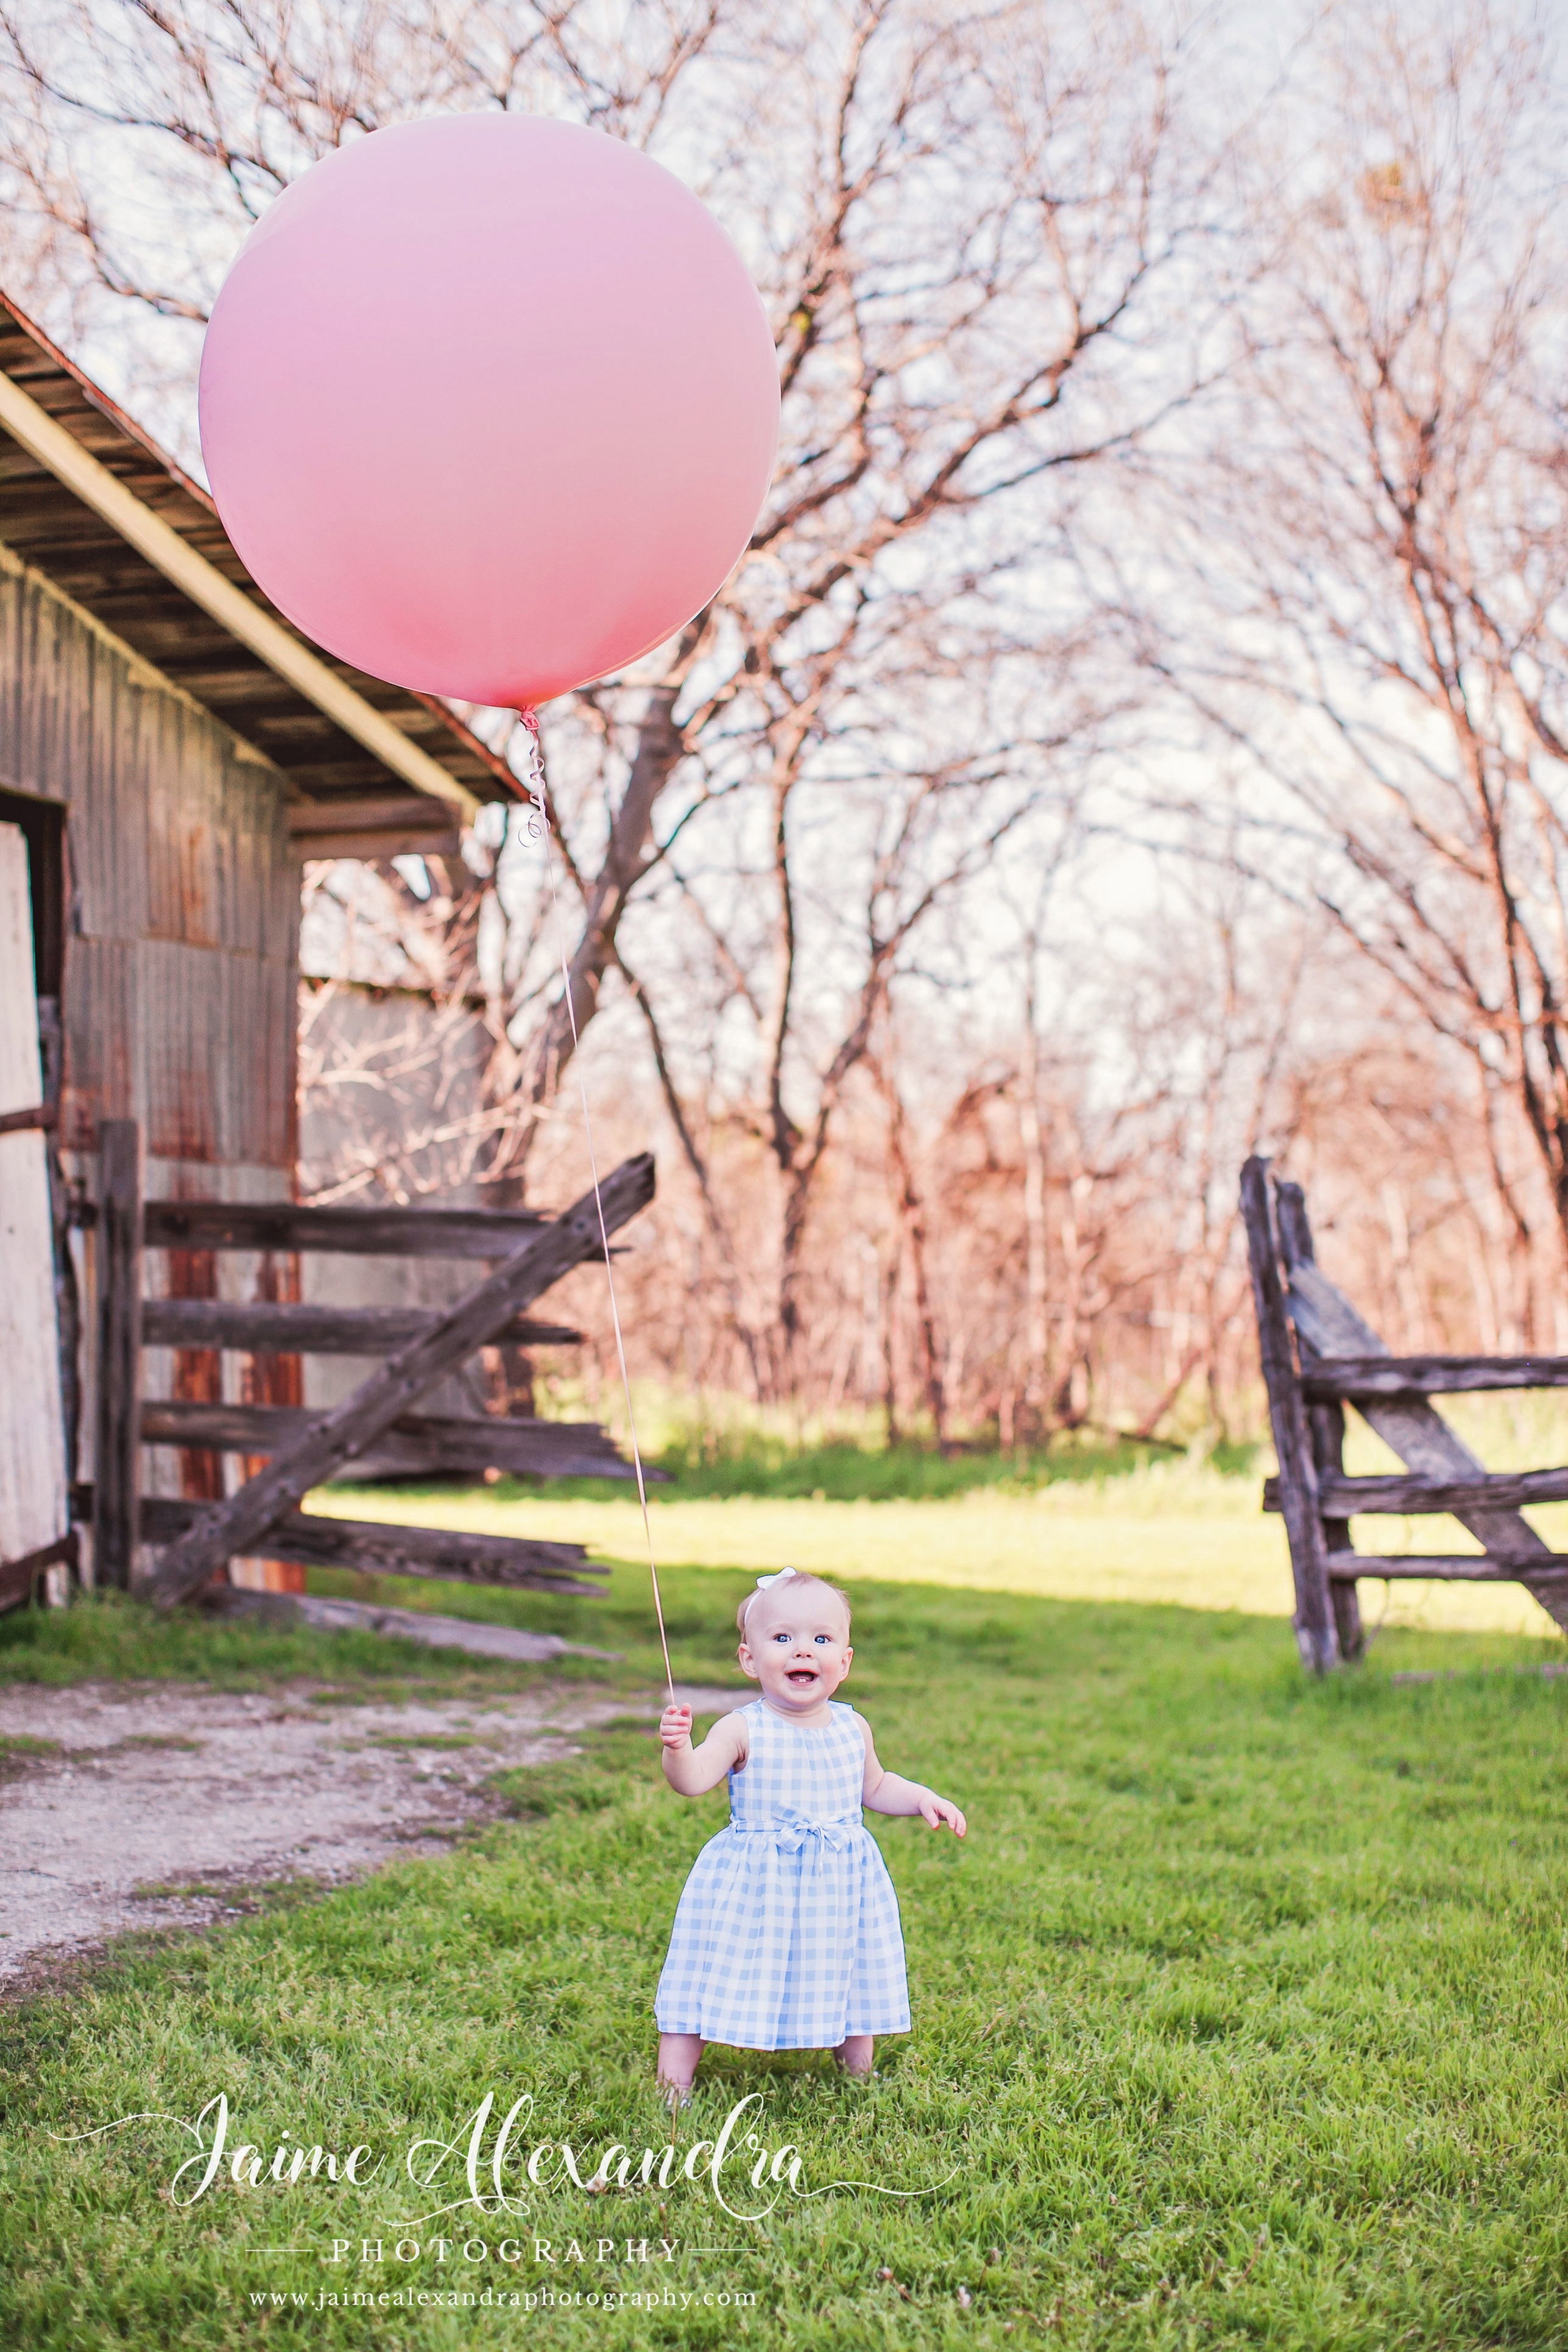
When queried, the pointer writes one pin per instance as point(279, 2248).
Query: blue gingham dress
point(786, 1936)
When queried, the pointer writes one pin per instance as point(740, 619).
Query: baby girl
point(787, 1936)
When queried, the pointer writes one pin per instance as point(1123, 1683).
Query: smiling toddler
point(787, 1935)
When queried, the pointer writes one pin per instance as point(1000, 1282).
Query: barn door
point(33, 1537)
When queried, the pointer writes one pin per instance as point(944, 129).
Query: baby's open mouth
point(802, 1676)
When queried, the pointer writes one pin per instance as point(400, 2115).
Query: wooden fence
point(193, 1541)
point(1320, 1355)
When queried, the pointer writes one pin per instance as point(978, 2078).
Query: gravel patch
point(137, 1805)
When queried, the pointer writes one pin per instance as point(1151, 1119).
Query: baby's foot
point(854, 2056)
point(679, 2055)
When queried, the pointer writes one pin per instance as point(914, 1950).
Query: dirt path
point(157, 1804)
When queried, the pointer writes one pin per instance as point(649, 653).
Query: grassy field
point(1239, 2017)
point(1084, 1521)
point(1164, 1532)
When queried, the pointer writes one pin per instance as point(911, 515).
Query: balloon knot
point(537, 825)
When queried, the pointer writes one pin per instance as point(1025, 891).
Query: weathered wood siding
point(182, 930)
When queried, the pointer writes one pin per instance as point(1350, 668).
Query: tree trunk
point(889, 1344)
point(912, 1221)
point(1038, 1268)
point(627, 860)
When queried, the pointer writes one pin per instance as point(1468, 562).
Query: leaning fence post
point(1326, 1424)
point(1316, 1637)
point(117, 1454)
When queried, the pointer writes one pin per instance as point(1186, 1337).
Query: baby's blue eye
point(822, 1637)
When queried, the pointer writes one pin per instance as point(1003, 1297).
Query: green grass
point(1081, 1523)
point(732, 1447)
point(109, 1638)
point(755, 1462)
point(1174, 1533)
point(17, 1751)
point(1239, 2017)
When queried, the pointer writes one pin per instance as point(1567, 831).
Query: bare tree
point(399, 1046)
point(1001, 529)
point(988, 237)
point(1384, 630)
point(980, 241)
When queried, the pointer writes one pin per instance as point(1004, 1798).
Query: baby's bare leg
point(854, 2054)
point(677, 2057)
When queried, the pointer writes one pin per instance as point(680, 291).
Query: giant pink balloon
point(488, 405)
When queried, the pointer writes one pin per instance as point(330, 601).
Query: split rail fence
point(1320, 1355)
point(193, 1541)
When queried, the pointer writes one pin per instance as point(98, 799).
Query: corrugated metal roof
point(51, 526)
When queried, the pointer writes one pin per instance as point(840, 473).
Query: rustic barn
point(171, 750)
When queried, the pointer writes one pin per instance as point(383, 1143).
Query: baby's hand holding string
point(675, 1726)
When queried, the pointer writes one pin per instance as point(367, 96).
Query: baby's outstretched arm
point(889, 1792)
point(694, 1770)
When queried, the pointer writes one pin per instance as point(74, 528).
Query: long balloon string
point(538, 827)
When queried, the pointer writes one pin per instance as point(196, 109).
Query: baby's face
point(800, 1652)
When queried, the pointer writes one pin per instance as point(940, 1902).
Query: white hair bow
point(777, 1579)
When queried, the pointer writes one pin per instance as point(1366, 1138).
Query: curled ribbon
point(537, 822)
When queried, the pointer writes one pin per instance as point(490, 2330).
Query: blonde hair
point(795, 1582)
